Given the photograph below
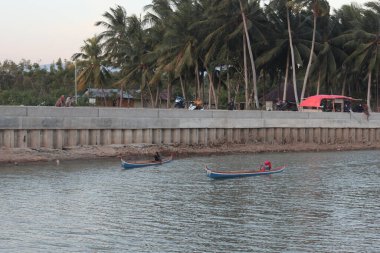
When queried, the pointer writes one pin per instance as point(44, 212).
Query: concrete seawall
point(53, 127)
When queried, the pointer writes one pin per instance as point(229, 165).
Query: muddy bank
point(26, 155)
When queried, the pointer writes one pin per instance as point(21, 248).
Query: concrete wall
point(54, 127)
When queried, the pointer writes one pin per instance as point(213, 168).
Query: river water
point(322, 202)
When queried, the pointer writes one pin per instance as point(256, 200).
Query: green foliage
point(29, 84)
point(177, 40)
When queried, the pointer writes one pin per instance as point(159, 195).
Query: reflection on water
point(323, 202)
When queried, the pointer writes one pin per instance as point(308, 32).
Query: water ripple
point(323, 202)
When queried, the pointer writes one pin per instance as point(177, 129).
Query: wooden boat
point(144, 163)
point(220, 174)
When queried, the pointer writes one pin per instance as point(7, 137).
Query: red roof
point(315, 101)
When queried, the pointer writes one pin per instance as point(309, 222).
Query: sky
point(43, 31)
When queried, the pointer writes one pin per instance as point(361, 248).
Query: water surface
point(323, 202)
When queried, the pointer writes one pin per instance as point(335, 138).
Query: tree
point(288, 42)
point(366, 56)
point(176, 51)
point(91, 60)
point(319, 8)
point(115, 35)
point(288, 7)
point(328, 64)
point(229, 23)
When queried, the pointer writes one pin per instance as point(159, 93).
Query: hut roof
point(94, 92)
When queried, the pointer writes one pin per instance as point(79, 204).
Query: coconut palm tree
point(115, 37)
point(228, 23)
point(282, 48)
point(134, 67)
point(327, 66)
point(91, 62)
point(366, 56)
point(319, 8)
point(115, 34)
point(246, 36)
point(289, 5)
point(177, 49)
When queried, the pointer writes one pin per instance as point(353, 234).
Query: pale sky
point(44, 30)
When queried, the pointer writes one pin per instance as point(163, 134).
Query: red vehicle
point(327, 103)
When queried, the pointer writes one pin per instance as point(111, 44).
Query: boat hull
point(220, 174)
point(138, 164)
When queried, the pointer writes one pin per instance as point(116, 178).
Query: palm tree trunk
point(182, 87)
point(369, 90)
point(151, 97)
point(285, 92)
point(228, 86)
point(168, 94)
point(198, 81)
point(344, 85)
point(377, 91)
point(214, 94)
point(157, 97)
point(121, 96)
point(319, 82)
point(254, 77)
point(310, 58)
point(211, 92)
point(286, 78)
point(278, 81)
point(104, 97)
point(264, 83)
point(219, 89)
point(292, 55)
point(236, 91)
point(209, 89)
point(141, 89)
point(261, 75)
point(245, 74)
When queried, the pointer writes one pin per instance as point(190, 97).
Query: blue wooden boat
point(220, 173)
point(137, 164)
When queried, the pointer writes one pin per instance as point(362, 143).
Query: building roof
point(275, 94)
point(93, 92)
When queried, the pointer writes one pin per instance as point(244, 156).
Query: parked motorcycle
point(286, 106)
point(197, 104)
point(231, 105)
point(179, 102)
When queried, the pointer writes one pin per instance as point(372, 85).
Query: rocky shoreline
point(27, 155)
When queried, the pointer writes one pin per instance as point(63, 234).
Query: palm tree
point(287, 42)
point(246, 36)
point(177, 49)
point(115, 38)
point(366, 56)
point(327, 66)
point(92, 70)
point(289, 5)
point(134, 67)
point(319, 8)
point(228, 23)
point(115, 34)
point(177, 40)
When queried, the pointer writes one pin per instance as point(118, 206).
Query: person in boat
point(157, 157)
point(267, 166)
